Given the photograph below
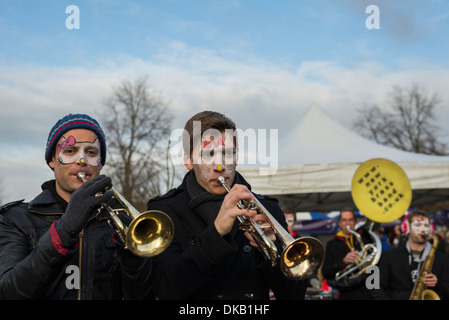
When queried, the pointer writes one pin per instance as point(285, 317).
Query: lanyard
point(350, 242)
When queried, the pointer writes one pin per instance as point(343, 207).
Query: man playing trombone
point(54, 247)
point(210, 257)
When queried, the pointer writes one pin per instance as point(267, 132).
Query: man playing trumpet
point(54, 247)
point(210, 257)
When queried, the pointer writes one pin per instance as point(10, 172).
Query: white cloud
point(254, 93)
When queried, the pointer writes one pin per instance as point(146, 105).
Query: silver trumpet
point(299, 259)
point(148, 234)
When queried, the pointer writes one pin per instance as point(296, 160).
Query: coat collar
point(47, 201)
point(193, 222)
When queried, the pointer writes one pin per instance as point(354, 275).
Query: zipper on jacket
point(81, 236)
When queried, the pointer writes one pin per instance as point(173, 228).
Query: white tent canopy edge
point(319, 157)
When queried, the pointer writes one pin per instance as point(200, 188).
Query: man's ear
point(51, 163)
point(188, 163)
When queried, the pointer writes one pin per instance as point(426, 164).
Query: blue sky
point(284, 32)
point(261, 62)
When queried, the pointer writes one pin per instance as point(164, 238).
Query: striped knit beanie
point(74, 121)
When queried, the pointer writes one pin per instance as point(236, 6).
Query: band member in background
point(54, 247)
point(400, 266)
point(210, 258)
point(290, 218)
point(342, 251)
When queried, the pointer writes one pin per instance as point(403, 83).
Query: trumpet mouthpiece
point(81, 176)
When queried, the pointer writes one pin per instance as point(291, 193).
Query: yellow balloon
point(381, 190)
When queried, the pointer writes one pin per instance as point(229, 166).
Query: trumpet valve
point(245, 226)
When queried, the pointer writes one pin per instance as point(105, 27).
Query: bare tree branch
point(137, 124)
point(409, 125)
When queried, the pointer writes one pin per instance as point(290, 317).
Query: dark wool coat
point(200, 264)
point(336, 250)
point(395, 277)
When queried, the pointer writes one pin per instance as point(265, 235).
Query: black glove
point(82, 203)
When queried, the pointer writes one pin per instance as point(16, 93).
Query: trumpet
point(299, 259)
point(149, 232)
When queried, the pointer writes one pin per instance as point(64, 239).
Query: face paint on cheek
point(420, 227)
point(230, 168)
point(207, 172)
point(203, 168)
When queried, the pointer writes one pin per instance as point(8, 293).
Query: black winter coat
point(336, 250)
point(200, 264)
point(395, 278)
point(31, 267)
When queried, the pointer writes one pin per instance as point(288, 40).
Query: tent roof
point(318, 159)
point(319, 139)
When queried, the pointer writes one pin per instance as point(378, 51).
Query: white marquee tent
point(319, 157)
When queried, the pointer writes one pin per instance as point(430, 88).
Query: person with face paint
point(57, 246)
point(290, 218)
point(210, 258)
point(399, 267)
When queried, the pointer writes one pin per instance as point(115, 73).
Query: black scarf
point(49, 195)
point(203, 203)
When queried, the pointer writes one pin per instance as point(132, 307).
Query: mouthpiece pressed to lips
point(81, 176)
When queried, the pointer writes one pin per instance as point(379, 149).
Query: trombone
point(300, 258)
point(149, 232)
